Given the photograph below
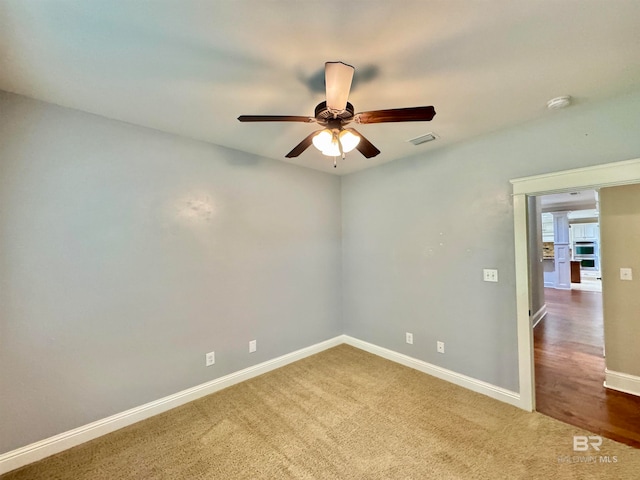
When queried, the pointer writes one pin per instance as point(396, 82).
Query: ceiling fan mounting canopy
point(336, 112)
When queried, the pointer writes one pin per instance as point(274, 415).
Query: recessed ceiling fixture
point(559, 102)
point(334, 140)
point(427, 137)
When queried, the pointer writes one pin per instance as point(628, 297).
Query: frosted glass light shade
point(322, 140)
point(332, 150)
point(348, 140)
point(328, 144)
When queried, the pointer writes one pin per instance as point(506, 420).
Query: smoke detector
point(559, 102)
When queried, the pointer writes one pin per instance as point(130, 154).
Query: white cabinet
point(591, 231)
point(578, 232)
point(585, 232)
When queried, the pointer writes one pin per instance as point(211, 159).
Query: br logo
point(581, 443)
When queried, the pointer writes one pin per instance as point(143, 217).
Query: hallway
point(569, 369)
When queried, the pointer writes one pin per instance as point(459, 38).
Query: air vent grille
point(427, 137)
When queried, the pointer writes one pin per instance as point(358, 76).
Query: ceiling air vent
point(427, 137)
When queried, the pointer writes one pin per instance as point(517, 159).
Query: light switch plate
point(490, 275)
point(626, 274)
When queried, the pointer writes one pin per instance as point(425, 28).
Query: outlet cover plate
point(409, 338)
point(440, 347)
point(253, 346)
point(210, 359)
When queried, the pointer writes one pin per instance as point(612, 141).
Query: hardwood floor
point(569, 369)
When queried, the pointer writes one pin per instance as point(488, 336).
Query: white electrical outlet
point(409, 338)
point(252, 346)
point(210, 358)
point(626, 274)
point(490, 275)
point(440, 347)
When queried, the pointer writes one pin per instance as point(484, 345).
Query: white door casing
point(606, 175)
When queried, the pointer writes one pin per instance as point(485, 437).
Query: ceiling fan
point(336, 112)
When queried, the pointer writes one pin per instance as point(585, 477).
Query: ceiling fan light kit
point(334, 143)
point(334, 140)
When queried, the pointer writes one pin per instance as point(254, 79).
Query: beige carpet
point(341, 414)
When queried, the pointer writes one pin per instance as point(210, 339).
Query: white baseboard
point(63, 441)
point(623, 382)
point(539, 315)
point(52, 445)
point(493, 391)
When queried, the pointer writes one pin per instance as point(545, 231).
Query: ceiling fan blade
point(275, 118)
point(337, 79)
point(413, 114)
point(302, 146)
point(365, 147)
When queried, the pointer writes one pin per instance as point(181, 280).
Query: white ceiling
point(190, 67)
point(585, 201)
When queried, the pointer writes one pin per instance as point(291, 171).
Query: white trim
point(610, 174)
point(622, 382)
point(525, 333)
point(539, 315)
point(63, 441)
point(49, 446)
point(470, 383)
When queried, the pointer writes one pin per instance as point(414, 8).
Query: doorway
point(569, 339)
point(619, 173)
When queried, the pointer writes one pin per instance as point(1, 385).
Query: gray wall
point(418, 232)
point(126, 254)
point(620, 238)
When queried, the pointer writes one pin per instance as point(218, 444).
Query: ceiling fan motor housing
point(323, 114)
